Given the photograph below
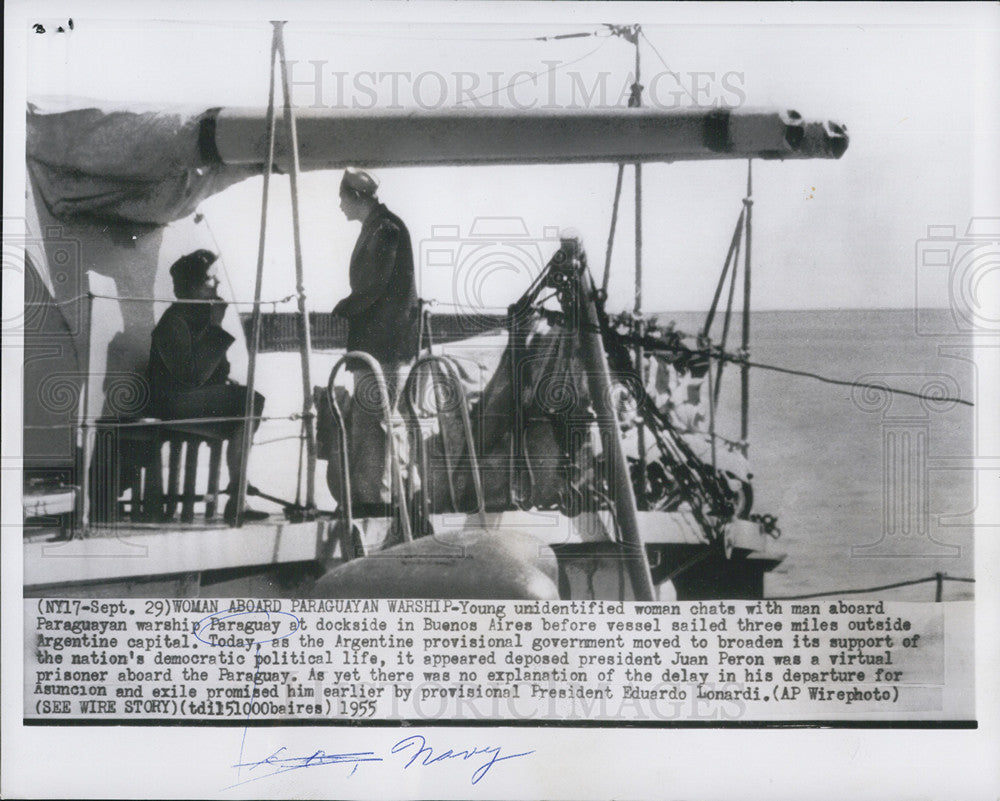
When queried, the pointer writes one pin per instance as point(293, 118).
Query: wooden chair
point(190, 438)
point(129, 457)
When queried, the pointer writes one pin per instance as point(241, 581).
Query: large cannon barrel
point(150, 164)
point(334, 138)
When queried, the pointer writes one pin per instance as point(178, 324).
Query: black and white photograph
point(392, 387)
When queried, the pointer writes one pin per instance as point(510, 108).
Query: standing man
point(383, 319)
point(188, 368)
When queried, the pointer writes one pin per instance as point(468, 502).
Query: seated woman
point(188, 369)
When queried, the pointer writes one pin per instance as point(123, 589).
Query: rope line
point(367, 32)
point(188, 301)
point(843, 383)
point(611, 233)
point(199, 217)
point(467, 307)
point(653, 344)
point(438, 38)
point(893, 586)
point(277, 439)
point(666, 66)
point(536, 75)
point(153, 422)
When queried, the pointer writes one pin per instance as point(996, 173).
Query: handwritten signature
point(429, 757)
point(414, 747)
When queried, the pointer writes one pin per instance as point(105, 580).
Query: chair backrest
point(176, 439)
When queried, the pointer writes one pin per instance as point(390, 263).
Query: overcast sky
point(910, 88)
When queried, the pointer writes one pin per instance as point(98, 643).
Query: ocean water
point(869, 488)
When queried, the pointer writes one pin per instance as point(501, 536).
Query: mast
point(635, 101)
point(745, 345)
point(254, 344)
point(599, 381)
point(305, 343)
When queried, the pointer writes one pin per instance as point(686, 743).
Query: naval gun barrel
point(336, 138)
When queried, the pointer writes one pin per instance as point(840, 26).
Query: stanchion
point(254, 343)
point(305, 349)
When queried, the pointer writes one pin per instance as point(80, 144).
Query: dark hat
point(360, 181)
point(193, 268)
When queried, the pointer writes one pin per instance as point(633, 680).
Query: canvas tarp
point(99, 162)
point(534, 430)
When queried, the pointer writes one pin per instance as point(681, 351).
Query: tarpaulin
point(95, 162)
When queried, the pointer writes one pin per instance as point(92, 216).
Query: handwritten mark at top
point(39, 28)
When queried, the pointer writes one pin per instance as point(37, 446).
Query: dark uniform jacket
point(188, 355)
point(382, 310)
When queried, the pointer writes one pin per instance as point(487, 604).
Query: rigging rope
point(611, 234)
point(726, 320)
point(253, 345)
point(257, 443)
point(653, 344)
point(534, 76)
point(841, 382)
point(200, 217)
point(153, 422)
point(139, 299)
point(707, 495)
point(745, 344)
point(354, 34)
point(733, 248)
point(670, 72)
point(467, 308)
point(567, 36)
point(893, 586)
